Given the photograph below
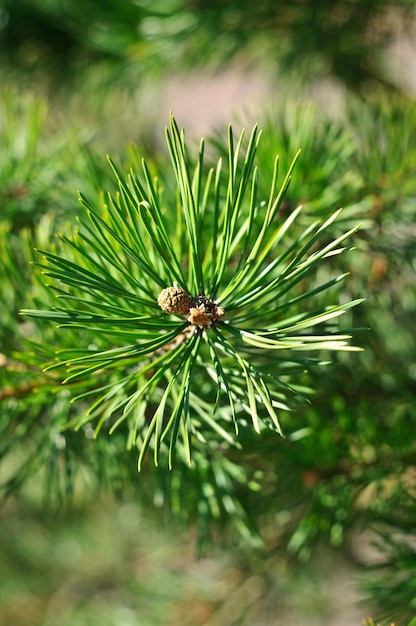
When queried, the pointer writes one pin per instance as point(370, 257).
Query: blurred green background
point(84, 539)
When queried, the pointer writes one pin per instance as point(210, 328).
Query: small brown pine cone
point(174, 300)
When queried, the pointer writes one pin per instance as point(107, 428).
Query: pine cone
point(174, 300)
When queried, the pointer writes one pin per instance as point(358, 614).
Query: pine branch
point(174, 309)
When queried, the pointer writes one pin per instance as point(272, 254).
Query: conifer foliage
point(209, 297)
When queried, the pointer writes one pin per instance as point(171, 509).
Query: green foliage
point(110, 564)
point(41, 166)
point(221, 246)
point(346, 460)
point(319, 38)
point(362, 412)
point(392, 578)
point(23, 175)
point(109, 30)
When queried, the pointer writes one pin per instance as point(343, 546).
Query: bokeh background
point(84, 540)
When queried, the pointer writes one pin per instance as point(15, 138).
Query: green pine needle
point(182, 310)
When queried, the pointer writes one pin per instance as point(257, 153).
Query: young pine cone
point(174, 300)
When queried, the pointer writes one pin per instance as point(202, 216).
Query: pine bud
point(205, 314)
point(199, 316)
